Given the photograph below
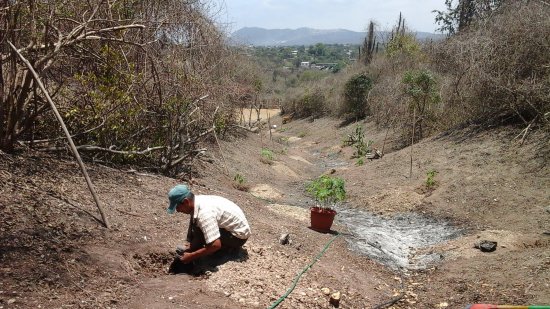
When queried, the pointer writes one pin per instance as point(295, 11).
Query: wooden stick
point(218, 142)
point(412, 142)
point(67, 134)
point(269, 124)
point(386, 136)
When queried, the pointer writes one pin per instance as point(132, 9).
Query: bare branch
point(60, 119)
point(111, 149)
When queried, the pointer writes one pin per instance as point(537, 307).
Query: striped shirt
point(213, 213)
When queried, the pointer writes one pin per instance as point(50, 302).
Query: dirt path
point(54, 254)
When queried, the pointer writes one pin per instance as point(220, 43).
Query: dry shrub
point(500, 69)
point(311, 103)
point(127, 79)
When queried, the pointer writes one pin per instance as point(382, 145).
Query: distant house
point(294, 53)
point(305, 64)
point(324, 66)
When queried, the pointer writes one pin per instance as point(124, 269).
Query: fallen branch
point(181, 159)
point(525, 131)
point(244, 128)
point(40, 141)
point(67, 134)
point(130, 213)
point(110, 149)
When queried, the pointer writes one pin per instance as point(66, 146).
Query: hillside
point(306, 36)
point(55, 254)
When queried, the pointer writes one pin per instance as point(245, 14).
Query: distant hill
point(305, 36)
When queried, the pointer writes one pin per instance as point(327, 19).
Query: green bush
point(327, 190)
point(356, 91)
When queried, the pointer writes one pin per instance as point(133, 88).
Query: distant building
point(305, 64)
point(294, 53)
point(324, 66)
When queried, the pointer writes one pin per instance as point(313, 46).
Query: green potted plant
point(328, 191)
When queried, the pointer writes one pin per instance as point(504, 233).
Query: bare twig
point(68, 135)
point(269, 124)
point(244, 128)
point(110, 150)
point(218, 142)
point(412, 141)
point(525, 131)
point(63, 137)
point(130, 213)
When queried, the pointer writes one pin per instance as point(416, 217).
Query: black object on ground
point(486, 245)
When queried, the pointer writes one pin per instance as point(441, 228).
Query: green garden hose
point(297, 278)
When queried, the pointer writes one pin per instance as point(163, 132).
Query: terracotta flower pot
point(322, 218)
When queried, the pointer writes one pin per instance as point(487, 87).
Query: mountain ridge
point(258, 36)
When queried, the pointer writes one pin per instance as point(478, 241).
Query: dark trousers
point(195, 237)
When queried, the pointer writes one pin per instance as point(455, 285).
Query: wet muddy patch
point(394, 241)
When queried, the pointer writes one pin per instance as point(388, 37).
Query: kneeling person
point(215, 223)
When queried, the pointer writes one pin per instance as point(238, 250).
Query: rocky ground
point(55, 254)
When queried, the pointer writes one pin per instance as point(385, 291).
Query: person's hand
point(181, 249)
point(185, 258)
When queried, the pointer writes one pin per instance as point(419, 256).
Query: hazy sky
point(330, 14)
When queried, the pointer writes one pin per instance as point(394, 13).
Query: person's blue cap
point(176, 196)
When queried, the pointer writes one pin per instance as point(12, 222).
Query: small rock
point(443, 305)
point(257, 250)
point(11, 301)
point(548, 209)
point(486, 245)
point(284, 239)
point(335, 299)
point(325, 291)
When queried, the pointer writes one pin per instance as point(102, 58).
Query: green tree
point(421, 87)
point(356, 92)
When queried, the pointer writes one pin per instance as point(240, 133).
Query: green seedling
point(430, 180)
point(267, 155)
point(327, 190)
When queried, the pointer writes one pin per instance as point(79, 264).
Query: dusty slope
point(54, 254)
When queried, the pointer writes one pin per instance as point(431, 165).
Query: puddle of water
point(393, 241)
